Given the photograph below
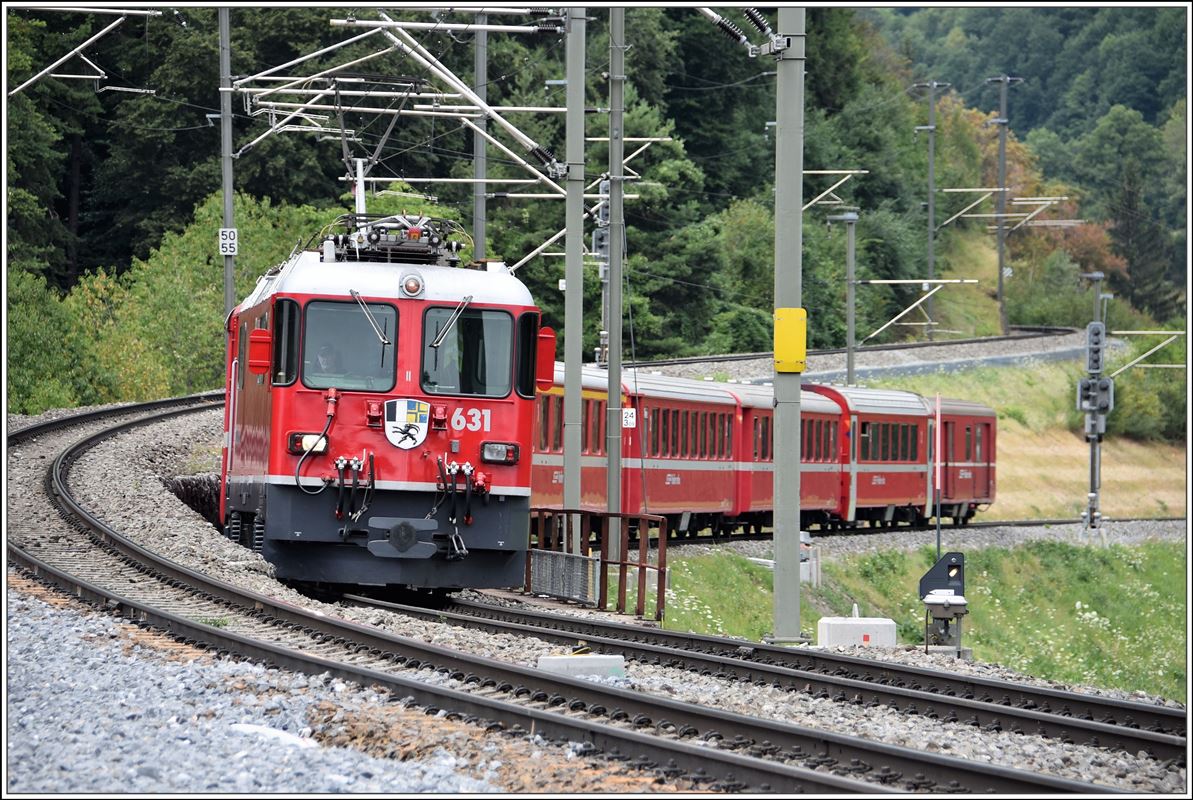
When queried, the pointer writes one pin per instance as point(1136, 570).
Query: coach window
point(653, 417)
point(977, 444)
point(544, 403)
point(675, 433)
point(557, 423)
point(683, 434)
point(598, 430)
point(968, 445)
point(915, 442)
point(864, 442)
point(766, 438)
point(345, 347)
point(285, 343)
point(585, 416)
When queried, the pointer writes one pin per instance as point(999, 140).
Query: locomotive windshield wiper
point(451, 321)
point(369, 314)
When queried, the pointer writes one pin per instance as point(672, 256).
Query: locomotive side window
point(341, 348)
point(864, 440)
point(475, 355)
point(242, 343)
point(285, 343)
point(528, 337)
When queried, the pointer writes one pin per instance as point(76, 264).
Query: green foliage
point(1112, 617)
point(40, 371)
point(1150, 404)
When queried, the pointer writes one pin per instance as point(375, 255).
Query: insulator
point(732, 31)
point(758, 21)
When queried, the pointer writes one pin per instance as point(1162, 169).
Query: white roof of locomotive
point(307, 273)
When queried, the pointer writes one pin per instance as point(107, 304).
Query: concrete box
point(608, 666)
point(855, 631)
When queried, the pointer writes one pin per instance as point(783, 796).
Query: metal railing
point(554, 537)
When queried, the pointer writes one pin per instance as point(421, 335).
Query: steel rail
point(724, 728)
point(938, 695)
point(1030, 333)
point(490, 714)
point(1126, 713)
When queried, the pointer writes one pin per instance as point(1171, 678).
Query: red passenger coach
point(380, 401)
point(885, 474)
point(968, 462)
point(703, 453)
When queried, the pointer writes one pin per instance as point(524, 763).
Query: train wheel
point(258, 533)
point(232, 528)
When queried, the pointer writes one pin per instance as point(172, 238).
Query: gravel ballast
point(90, 711)
point(146, 511)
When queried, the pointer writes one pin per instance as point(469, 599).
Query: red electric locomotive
point(380, 401)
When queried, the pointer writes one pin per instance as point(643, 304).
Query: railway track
point(986, 703)
point(1025, 332)
point(709, 748)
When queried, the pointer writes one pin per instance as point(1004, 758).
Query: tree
point(1140, 240)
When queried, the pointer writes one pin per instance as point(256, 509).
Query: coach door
point(981, 459)
point(949, 456)
point(965, 470)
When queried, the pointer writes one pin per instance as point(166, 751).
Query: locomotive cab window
point(285, 343)
point(343, 347)
point(467, 351)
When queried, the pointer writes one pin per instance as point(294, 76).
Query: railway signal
point(1095, 344)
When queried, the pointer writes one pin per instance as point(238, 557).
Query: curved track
point(704, 746)
point(987, 703)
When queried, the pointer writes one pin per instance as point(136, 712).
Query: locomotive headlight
point(412, 285)
point(499, 453)
point(299, 443)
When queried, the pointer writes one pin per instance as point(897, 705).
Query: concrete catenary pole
point(479, 155)
point(1003, 82)
point(850, 220)
point(789, 166)
point(574, 286)
point(226, 150)
point(613, 429)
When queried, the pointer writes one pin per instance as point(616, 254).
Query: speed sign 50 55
point(228, 240)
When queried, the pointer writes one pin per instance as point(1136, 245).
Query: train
point(702, 454)
point(393, 415)
point(379, 408)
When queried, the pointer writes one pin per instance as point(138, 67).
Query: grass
point(1110, 617)
point(971, 310)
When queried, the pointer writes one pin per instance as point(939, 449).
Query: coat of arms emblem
point(406, 422)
